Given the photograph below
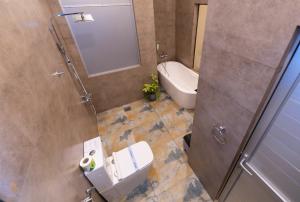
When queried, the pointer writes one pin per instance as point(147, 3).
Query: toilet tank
point(100, 175)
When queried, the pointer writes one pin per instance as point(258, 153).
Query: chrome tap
point(88, 197)
point(86, 98)
point(163, 55)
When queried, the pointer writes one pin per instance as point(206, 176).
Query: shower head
point(78, 16)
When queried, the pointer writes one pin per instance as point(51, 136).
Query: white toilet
point(116, 176)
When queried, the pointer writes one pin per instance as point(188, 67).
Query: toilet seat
point(132, 159)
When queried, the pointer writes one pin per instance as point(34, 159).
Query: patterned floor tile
point(170, 175)
point(109, 116)
point(162, 124)
point(165, 105)
point(153, 133)
point(169, 167)
point(143, 192)
point(140, 113)
point(177, 120)
point(166, 152)
point(188, 189)
point(179, 142)
point(117, 137)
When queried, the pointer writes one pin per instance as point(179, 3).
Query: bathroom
point(226, 70)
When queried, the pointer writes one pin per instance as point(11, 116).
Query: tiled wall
point(42, 123)
point(186, 22)
point(244, 43)
point(175, 28)
point(121, 87)
point(164, 14)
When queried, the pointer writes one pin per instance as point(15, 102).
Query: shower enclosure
point(269, 166)
point(98, 37)
point(86, 97)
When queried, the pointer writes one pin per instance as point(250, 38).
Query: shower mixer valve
point(163, 55)
point(86, 98)
point(219, 133)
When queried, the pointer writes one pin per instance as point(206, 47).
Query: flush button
point(92, 152)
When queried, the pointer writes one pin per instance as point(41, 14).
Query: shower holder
point(58, 74)
point(218, 133)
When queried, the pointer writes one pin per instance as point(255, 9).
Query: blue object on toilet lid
point(133, 158)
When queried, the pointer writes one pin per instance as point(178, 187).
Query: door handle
point(277, 192)
point(243, 162)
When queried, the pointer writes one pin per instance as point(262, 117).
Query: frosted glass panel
point(110, 42)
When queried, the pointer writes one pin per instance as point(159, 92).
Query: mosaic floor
point(162, 124)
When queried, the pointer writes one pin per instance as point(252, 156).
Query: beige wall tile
point(164, 14)
point(42, 123)
point(186, 22)
point(244, 43)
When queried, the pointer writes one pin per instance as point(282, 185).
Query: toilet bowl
point(117, 175)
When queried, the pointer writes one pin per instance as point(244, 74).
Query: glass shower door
point(271, 164)
point(277, 159)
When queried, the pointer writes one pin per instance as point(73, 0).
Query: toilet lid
point(133, 158)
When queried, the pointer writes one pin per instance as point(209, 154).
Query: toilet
point(119, 174)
